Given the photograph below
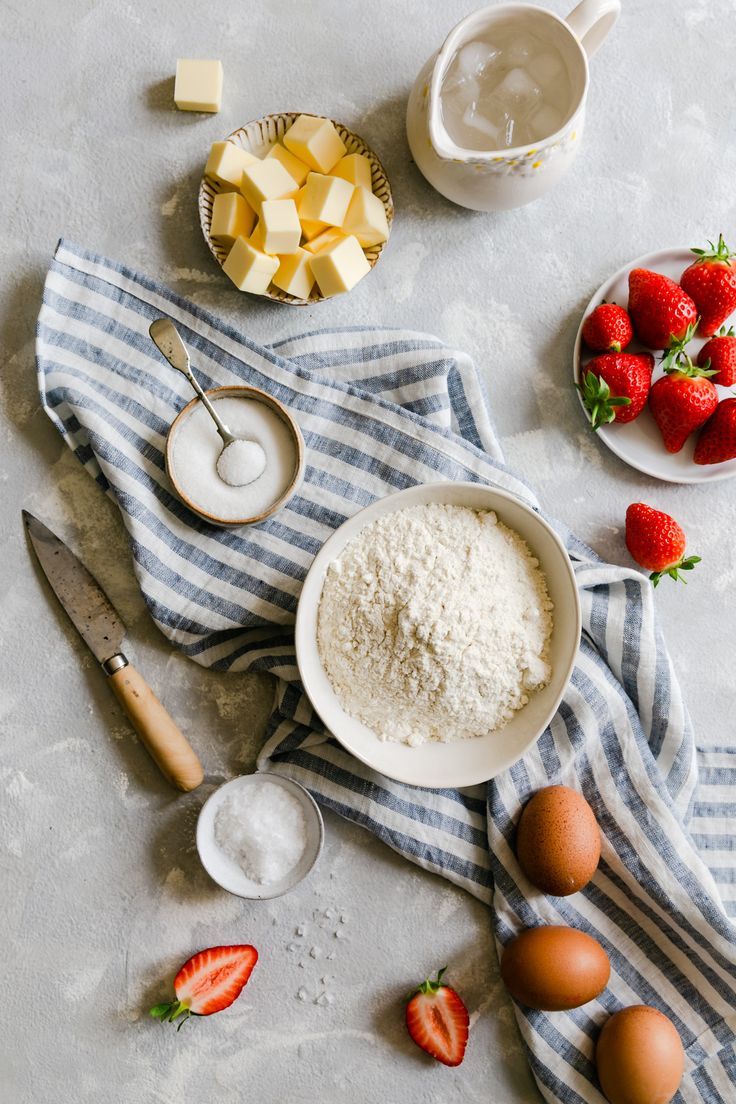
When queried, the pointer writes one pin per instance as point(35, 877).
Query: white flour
point(434, 624)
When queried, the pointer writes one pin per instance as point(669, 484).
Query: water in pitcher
point(511, 89)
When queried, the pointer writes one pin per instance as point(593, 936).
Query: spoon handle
point(222, 429)
point(167, 340)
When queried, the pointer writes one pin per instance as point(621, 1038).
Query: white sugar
point(262, 828)
point(197, 447)
point(241, 462)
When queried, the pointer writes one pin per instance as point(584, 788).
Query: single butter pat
point(327, 237)
point(280, 229)
point(295, 274)
point(356, 169)
point(249, 268)
point(295, 168)
point(198, 85)
point(310, 227)
point(316, 142)
point(226, 163)
point(325, 199)
point(339, 266)
point(366, 218)
point(267, 180)
point(232, 217)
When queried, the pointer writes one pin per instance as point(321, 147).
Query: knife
point(96, 620)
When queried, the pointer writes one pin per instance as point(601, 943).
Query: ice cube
point(520, 50)
point(545, 121)
point(508, 132)
point(473, 119)
point(517, 94)
point(473, 58)
point(546, 68)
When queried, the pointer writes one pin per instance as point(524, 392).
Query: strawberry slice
point(438, 1021)
point(208, 982)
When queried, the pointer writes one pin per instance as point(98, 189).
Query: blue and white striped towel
point(381, 410)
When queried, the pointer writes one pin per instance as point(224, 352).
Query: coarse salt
point(262, 828)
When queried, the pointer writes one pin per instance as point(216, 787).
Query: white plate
point(465, 762)
point(639, 443)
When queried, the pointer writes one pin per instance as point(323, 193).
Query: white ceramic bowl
point(225, 871)
point(465, 762)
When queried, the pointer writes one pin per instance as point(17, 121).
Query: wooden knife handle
point(166, 743)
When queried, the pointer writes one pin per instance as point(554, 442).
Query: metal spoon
point(167, 340)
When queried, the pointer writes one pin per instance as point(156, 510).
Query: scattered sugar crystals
point(331, 921)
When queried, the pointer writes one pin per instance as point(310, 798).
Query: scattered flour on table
point(262, 828)
point(434, 624)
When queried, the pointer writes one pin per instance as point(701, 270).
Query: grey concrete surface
point(102, 893)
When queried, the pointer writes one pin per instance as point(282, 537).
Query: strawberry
point(607, 329)
point(208, 982)
point(438, 1021)
point(720, 354)
point(657, 542)
point(717, 441)
point(615, 387)
point(710, 281)
point(660, 310)
point(681, 400)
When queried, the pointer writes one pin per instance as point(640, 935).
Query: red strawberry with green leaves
point(717, 440)
point(710, 281)
point(682, 400)
point(657, 542)
point(615, 387)
point(607, 329)
point(720, 354)
point(438, 1021)
point(660, 309)
point(208, 982)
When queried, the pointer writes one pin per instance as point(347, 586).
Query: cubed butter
point(366, 218)
point(280, 227)
point(325, 199)
point(256, 238)
point(339, 266)
point(249, 268)
point(327, 237)
point(315, 141)
point(198, 85)
point(267, 180)
point(232, 217)
point(226, 163)
point(356, 169)
point(295, 274)
point(295, 168)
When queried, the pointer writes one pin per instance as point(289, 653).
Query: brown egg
point(554, 968)
point(558, 842)
point(639, 1057)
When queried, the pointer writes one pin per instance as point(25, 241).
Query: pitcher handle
point(591, 21)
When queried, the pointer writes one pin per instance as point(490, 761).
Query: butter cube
point(366, 218)
point(232, 217)
point(248, 268)
point(339, 266)
point(356, 169)
point(327, 237)
point(325, 199)
point(296, 168)
point(198, 85)
point(315, 141)
point(267, 180)
point(310, 227)
point(295, 274)
point(280, 227)
point(226, 163)
point(256, 238)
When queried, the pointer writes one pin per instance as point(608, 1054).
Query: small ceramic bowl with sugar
point(193, 447)
point(258, 138)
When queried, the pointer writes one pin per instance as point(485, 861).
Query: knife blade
point(98, 623)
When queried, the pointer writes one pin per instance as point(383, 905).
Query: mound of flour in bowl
point(434, 624)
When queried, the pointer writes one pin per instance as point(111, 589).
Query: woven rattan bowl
point(257, 137)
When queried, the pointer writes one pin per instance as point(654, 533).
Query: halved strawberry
point(657, 542)
point(710, 281)
point(660, 309)
point(208, 982)
point(438, 1021)
point(615, 387)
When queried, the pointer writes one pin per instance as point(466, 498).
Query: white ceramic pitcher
point(496, 180)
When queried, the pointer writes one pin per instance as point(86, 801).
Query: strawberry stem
point(428, 987)
point(674, 570)
point(170, 1011)
point(598, 400)
point(719, 252)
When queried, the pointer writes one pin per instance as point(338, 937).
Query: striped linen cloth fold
point(381, 410)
